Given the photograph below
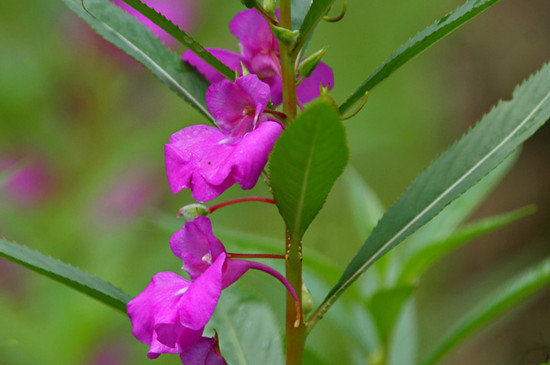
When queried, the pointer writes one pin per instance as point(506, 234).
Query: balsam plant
point(272, 120)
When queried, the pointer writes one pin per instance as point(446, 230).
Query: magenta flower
point(180, 12)
point(171, 313)
point(209, 160)
point(260, 55)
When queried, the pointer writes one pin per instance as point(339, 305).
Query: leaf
point(416, 45)
point(247, 329)
point(165, 24)
point(385, 306)
point(424, 258)
point(366, 208)
point(403, 345)
point(136, 40)
point(497, 303)
point(306, 161)
point(65, 274)
point(317, 10)
point(501, 131)
point(298, 11)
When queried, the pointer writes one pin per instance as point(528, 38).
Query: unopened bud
point(286, 36)
point(307, 301)
point(269, 7)
point(192, 211)
point(309, 64)
point(249, 3)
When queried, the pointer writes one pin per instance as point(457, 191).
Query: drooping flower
point(260, 54)
point(171, 313)
point(209, 160)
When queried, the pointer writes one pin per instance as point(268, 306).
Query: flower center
point(207, 258)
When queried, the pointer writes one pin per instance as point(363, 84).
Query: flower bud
point(307, 301)
point(192, 211)
point(308, 65)
point(269, 7)
point(286, 36)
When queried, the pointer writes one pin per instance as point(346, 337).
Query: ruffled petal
point(309, 87)
point(229, 58)
point(251, 154)
point(200, 299)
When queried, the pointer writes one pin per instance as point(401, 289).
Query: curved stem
point(269, 270)
point(240, 200)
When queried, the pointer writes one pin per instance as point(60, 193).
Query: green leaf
point(417, 44)
point(317, 10)
point(403, 347)
point(165, 24)
point(385, 306)
point(298, 11)
point(366, 208)
point(501, 131)
point(306, 161)
point(424, 258)
point(247, 329)
point(64, 273)
point(494, 305)
point(136, 40)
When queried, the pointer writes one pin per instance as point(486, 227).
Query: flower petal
point(229, 58)
point(253, 33)
point(309, 87)
point(202, 353)
point(196, 245)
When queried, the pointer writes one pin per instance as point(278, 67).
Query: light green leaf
point(403, 347)
point(298, 11)
point(64, 273)
point(501, 131)
point(306, 161)
point(132, 37)
point(247, 329)
point(385, 307)
point(424, 258)
point(417, 44)
point(366, 208)
point(315, 13)
point(497, 303)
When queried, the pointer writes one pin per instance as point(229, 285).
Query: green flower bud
point(307, 301)
point(308, 65)
point(286, 36)
point(192, 211)
point(269, 7)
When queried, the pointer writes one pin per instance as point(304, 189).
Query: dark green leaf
point(132, 37)
point(500, 132)
point(162, 22)
point(315, 13)
point(247, 329)
point(417, 44)
point(298, 11)
point(497, 303)
point(306, 161)
point(431, 252)
point(66, 274)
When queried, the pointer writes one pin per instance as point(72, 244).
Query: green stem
point(295, 330)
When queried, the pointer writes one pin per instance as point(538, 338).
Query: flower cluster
point(171, 313)
point(208, 160)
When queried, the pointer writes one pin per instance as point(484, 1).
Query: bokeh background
point(84, 126)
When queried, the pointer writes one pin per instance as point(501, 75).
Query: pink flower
point(209, 160)
point(260, 55)
point(171, 313)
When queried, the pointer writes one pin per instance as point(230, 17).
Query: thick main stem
point(295, 331)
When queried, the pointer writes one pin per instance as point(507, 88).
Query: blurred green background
point(95, 122)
